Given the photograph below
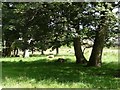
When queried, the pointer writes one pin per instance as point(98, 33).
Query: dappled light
point(60, 45)
point(47, 72)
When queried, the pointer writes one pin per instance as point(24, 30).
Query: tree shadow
point(68, 72)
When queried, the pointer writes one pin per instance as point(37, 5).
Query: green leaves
point(45, 21)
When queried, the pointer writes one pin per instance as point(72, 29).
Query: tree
point(10, 32)
point(51, 25)
point(101, 32)
point(75, 21)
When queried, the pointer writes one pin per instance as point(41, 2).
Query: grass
point(42, 72)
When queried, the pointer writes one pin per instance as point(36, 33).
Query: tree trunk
point(96, 55)
point(57, 50)
point(15, 51)
point(32, 51)
point(95, 58)
point(42, 52)
point(77, 46)
point(26, 53)
point(78, 51)
point(7, 50)
point(23, 53)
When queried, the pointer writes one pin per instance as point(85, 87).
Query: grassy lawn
point(43, 72)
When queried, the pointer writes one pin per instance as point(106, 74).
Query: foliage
point(44, 25)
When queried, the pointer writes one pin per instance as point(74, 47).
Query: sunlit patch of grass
point(108, 55)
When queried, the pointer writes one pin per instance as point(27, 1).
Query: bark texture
point(78, 51)
point(96, 55)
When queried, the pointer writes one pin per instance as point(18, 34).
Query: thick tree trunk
point(95, 58)
point(78, 51)
point(77, 46)
point(96, 55)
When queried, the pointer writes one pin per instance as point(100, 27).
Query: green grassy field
point(44, 72)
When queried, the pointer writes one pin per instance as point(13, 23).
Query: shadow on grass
point(37, 55)
point(42, 69)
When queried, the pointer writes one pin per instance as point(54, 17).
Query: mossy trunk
point(96, 55)
point(78, 51)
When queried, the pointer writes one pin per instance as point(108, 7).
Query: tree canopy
point(45, 25)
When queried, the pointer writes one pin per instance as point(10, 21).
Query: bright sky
point(115, 10)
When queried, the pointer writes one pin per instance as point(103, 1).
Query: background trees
point(51, 25)
point(10, 27)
